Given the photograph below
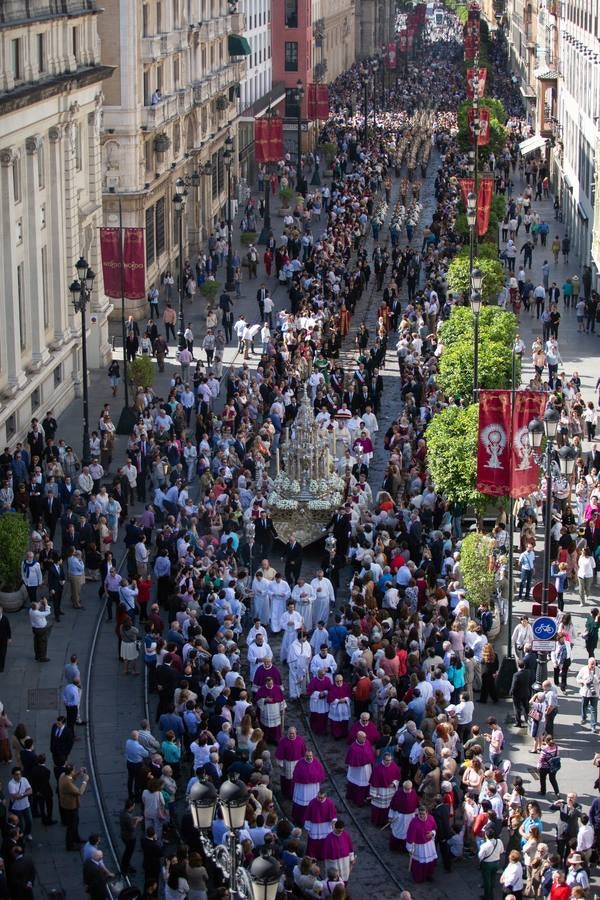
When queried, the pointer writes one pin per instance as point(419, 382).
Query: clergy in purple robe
point(403, 809)
point(289, 750)
point(420, 843)
point(364, 724)
point(339, 851)
point(317, 691)
point(360, 758)
point(267, 670)
point(338, 697)
point(308, 775)
point(320, 816)
point(270, 701)
point(385, 779)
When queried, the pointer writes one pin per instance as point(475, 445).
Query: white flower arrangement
point(286, 504)
point(317, 505)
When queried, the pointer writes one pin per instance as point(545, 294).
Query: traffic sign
point(542, 646)
point(538, 592)
point(544, 628)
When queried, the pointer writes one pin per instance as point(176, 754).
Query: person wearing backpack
point(548, 765)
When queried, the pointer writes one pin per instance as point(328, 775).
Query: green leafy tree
point(497, 331)
point(452, 455)
point(210, 289)
point(459, 276)
point(475, 552)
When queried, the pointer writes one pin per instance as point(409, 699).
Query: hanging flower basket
point(162, 142)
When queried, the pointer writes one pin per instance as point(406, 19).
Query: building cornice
point(37, 91)
point(45, 16)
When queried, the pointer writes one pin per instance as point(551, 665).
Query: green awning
point(238, 45)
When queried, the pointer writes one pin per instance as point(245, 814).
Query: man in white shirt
point(38, 619)
point(19, 792)
point(464, 716)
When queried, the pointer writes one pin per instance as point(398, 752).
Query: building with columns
point(168, 110)
point(50, 203)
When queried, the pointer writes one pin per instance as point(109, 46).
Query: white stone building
point(578, 120)
point(258, 80)
point(168, 110)
point(50, 203)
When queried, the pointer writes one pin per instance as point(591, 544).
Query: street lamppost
point(191, 181)
point(368, 69)
point(476, 284)
point(232, 798)
point(566, 457)
point(81, 293)
point(298, 97)
point(266, 229)
point(471, 221)
point(228, 160)
point(179, 201)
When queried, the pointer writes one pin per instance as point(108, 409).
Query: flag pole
point(127, 417)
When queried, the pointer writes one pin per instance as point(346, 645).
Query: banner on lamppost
point(317, 101)
point(481, 78)
point(110, 250)
point(485, 192)
point(390, 56)
point(403, 41)
point(134, 264)
point(275, 142)
point(494, 443)
point(467, 186)
point(261, 140)
point(525, 472)
point(480, 116)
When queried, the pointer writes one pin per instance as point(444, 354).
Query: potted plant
point(285, 195)
point(141, 372)
point(14, 541)
point(210, 289)
point(248, 237)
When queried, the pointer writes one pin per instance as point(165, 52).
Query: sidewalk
point(581, 353)
point(31, 691)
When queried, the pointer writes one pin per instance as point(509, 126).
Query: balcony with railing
point(158, 114)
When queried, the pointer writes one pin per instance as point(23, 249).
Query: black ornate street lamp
point(228, 160)
point(81, 293)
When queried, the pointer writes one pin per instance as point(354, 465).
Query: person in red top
point(560, 890)
point(362, 695)
point(481, 819)
point(144, 586)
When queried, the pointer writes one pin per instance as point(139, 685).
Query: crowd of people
point(232, 645)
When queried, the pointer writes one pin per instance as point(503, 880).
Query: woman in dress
point(128, 634)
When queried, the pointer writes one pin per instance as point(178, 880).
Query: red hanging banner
point(525, 471)
point(467, 186)
point(493, 443)
point(134, 264)
point(261, 140)
point(481, 77)
point(311, 101)
point(482, 115)
point(484, 204)
point(390, 56)
point(474, 13)
point(469, 47)
point(275, 139)
point(110, 250)
point(322, 101)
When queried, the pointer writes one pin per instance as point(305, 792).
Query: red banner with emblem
point(134, 264)
point(110, 249)
point(485, 192)
point(261, 140)
point(525, 472)
point(467, 186)
point(390, 56)
point(481, 77)
point(494, 443)
point(474, 13)
point(275, 144)
point(483, 116)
